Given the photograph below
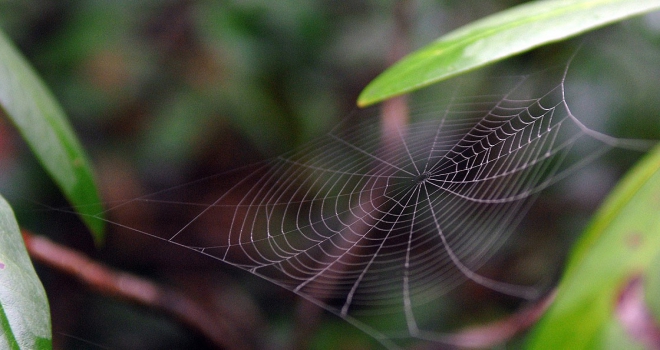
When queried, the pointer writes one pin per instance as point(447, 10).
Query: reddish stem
point(134, 289)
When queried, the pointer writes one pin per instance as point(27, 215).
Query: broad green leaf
point(619, 246)
point(496, 37)
point(24, 311)
point(43, 125)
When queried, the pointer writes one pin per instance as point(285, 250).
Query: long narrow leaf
point(24, 312)
point(496, 37)
point(616, 250)
point(41, 121)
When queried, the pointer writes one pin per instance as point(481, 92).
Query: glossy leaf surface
point(41, 121)
point(496, 37)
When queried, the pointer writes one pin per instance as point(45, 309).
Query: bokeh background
point(162, 93)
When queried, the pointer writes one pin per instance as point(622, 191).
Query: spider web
point(367, 227)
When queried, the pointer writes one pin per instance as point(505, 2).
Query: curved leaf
point(496, 37)
point(41, 121)
point(615, 250)
point(24, 312)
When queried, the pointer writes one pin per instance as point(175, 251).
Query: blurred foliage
point(165, 92)
point(605, 267)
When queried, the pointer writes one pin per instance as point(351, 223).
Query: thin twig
point(126, 286)
point(394, 114)
point(394, 117)
point(498, 332)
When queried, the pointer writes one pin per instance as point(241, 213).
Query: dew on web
point(367, 228)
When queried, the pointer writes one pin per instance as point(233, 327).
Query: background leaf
point(41, 121)
point(24, 311)
point(617, 248)
point(496, 37)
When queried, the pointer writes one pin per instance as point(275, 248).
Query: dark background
point(165, 92)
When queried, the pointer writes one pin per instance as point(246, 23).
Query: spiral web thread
point(366, 228)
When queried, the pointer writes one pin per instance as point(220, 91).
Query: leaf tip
point(366, 99)
point(97, 228)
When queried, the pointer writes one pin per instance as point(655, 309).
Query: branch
point(394, 112)
point(108, 281)
point(495, 333)
point(394, 117)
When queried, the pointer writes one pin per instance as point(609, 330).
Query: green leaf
point(652, 288)
point(24, 311)
point(496, 37)
point(619, 246)
point(41, 121)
